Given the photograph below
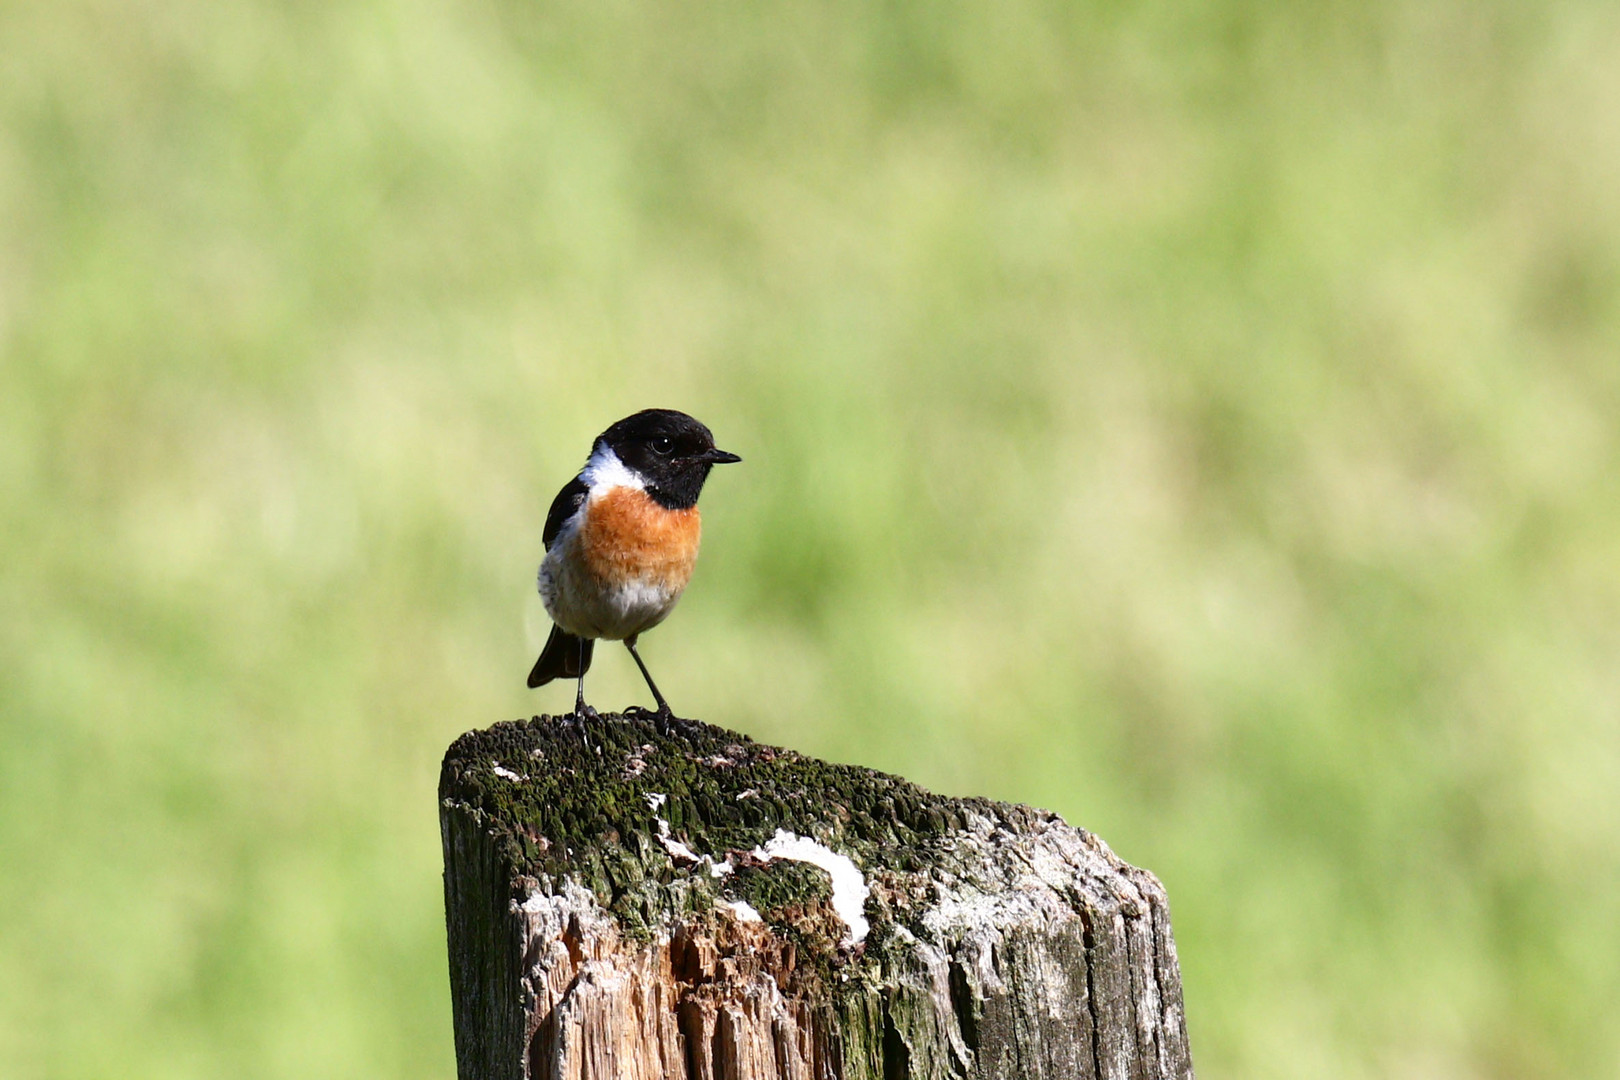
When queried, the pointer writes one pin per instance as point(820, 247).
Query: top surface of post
point(594, 803)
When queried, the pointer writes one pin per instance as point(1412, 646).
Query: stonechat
point(621, 540)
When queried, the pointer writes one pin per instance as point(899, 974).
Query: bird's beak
point(719, 457)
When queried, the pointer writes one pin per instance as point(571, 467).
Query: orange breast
point(626, 536)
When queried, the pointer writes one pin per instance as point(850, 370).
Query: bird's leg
point(663, 706)
point(580, 708)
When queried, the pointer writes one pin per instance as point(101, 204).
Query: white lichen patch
point(672, 845)
point(849, 891)
point(636, 763)
point(742, 910)
point(502, 771)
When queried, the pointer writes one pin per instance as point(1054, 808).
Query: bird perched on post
point(621, 540)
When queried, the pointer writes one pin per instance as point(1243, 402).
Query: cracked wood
point(610, 916)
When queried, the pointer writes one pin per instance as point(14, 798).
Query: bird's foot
point(583, 713)
point(663, 717)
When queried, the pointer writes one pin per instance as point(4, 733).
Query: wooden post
point(635, 900)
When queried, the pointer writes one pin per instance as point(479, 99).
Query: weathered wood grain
point(628, 900)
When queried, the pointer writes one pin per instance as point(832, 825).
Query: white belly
point(585, 606)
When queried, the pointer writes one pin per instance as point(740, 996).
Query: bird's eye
point(663, 445)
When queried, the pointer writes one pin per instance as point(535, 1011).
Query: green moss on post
point(628, 900)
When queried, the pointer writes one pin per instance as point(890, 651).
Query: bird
point(621, 540)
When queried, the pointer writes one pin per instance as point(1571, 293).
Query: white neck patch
point(604, 470)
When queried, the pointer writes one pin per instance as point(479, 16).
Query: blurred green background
point(1200, 419)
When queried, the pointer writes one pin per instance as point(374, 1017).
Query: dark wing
point(563, 507)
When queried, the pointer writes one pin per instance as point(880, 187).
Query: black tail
point(564, 657)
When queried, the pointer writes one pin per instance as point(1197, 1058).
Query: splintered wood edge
point(1002, 943)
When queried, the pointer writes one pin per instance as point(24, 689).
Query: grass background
point(1199, 419)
